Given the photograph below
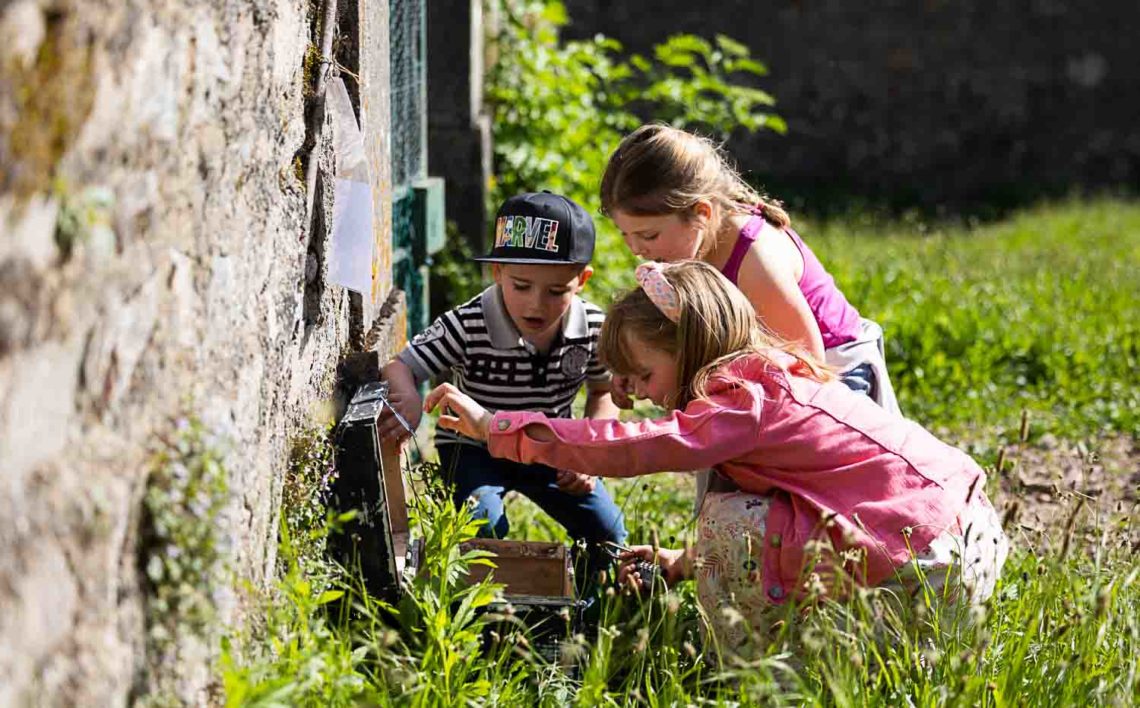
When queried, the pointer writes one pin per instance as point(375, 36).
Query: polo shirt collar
point(504, 334)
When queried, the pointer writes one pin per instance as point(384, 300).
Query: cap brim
point(525, 261)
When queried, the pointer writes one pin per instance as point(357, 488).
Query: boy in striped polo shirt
point(528, 342)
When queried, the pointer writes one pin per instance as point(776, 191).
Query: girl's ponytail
point(658, 169)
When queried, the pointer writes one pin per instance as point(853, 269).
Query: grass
point(1036, 312)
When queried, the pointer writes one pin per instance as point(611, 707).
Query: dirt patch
point(1054, 493)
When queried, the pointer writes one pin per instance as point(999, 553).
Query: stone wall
point(156, 263)
point(931, 102)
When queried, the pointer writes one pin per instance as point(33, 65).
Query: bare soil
point(1054, 493)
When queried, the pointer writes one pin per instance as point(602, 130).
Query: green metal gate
point(417, 200)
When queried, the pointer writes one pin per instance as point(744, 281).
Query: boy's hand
point(407, 404)
point(459, 412)
point(404, 397)
point(578, 485)
point(620, 392)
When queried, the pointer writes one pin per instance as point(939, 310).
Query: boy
point(528, 342)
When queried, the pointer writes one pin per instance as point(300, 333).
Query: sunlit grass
point(1037, 312)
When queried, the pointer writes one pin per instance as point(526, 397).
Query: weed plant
point(184, 555)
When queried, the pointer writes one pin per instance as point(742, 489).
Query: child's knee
point(608, 524)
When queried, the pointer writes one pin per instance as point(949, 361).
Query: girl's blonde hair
point(717, 326)
point(658, 169)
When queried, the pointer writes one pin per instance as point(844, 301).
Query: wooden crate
point(526, 567)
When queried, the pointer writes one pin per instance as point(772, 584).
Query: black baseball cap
point(541, 227)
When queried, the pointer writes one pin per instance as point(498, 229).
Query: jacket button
point(776, 592)
point(775, 540)
point(504, 424)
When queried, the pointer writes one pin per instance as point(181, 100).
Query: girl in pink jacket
point(830, 488)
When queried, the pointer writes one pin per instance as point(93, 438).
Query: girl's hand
point(621, 392)
point(671, 562)
point(459, 412)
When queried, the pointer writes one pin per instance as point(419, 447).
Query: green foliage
point(184, 548)
point(691, 86)
point(1066, 632)
point(1058, 632)
point(1036, 312)
point(561, 107)
point(297, 652)
point(439, 613)
point(455, 275)
point(323, 641)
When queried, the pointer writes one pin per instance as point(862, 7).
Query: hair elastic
point(651, 277)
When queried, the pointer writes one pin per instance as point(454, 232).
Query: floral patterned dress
point(729, 546)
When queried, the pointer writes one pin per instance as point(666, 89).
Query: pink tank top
point(838, 320)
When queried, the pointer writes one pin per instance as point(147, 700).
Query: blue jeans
point(593, 518)
point(861, 379)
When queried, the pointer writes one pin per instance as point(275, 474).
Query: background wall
point(931, 101)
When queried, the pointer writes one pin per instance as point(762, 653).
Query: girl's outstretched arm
point(708, 432)
point(460, 412)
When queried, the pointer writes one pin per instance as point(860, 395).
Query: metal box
point(378, 538)
point(538, 575)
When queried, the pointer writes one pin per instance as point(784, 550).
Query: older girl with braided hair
point(815, 464)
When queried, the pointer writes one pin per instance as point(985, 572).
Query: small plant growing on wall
point(304, 499)
point(184, 547)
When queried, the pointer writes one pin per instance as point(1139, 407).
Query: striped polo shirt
point(496, 366)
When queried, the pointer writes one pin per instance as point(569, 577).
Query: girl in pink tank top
point(674, 197)
point(838, 321)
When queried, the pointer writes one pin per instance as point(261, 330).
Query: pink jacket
point(820, 451)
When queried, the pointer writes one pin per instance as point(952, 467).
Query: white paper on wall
point(350, 254)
